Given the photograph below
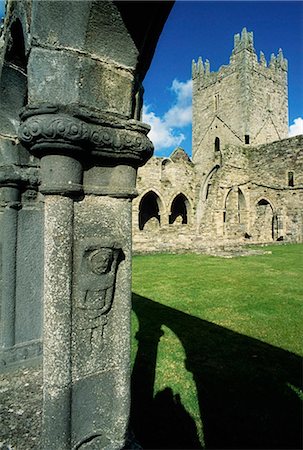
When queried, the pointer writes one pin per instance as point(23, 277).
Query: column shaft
point(9, 249)
point(57, 321)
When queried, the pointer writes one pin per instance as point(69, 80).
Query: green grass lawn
point(216, 350)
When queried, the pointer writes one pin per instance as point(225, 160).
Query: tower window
point(217, 144)
point(216, 102)
point(291, 179)
point(247, 139)
point(207, 191)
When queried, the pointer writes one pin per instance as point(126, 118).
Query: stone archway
point(235, 219)
point(179, 210)
point(266, 223)
point(205, 192)
point(150, 210)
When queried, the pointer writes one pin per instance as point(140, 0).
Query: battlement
point(243, 56)
point(244, 41)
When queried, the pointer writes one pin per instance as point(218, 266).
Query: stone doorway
point(266, 223)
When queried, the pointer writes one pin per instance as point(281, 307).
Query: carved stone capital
point(14, 178)
point(12, 175)
point(104, 137)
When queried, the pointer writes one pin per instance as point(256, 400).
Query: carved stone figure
point(97, 286)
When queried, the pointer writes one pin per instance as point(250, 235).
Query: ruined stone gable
point(244, 183)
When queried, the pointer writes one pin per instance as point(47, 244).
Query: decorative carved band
point(124, 141)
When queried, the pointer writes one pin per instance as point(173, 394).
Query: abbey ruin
point(71, 146)
point(244, 183)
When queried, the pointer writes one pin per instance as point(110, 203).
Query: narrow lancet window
point(216, 102)
point(247, 139)
point(217, 144)
point(291, 179)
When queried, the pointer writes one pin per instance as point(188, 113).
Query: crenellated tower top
point(244, 102)
point(244, 41)
point(243, 45)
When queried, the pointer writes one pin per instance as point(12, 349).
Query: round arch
point(163, 166)
point(165, 161)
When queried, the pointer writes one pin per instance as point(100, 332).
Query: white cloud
point(182, 90)
point(178, 116)
point(165, 130)
point(161, 134)
point(296, 128)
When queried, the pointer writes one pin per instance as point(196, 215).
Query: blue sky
point(206, 29)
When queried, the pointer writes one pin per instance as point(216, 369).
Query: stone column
point(61, 184)
point(10, 200)
point(85, 67)
point(20, 301)
point(88, 175)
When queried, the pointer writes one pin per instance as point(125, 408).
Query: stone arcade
point(244, 183)
point(71, 143)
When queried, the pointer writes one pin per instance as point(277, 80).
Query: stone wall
point(244, 102)
point(245, 199)
point(244, 183)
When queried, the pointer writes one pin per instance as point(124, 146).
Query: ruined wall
point(277, 174)
point(244, 183)
point(166, 203)
point(254, 196)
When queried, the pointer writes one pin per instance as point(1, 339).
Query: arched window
point(13, 85)
point(16, 52)
point(263, 202)
point(149, 208)
point(165, 162)
point(179, 209)
point(217, 144)
point(291, 182)
point(164, 166)
point(217, 101)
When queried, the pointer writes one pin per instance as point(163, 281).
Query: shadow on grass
point(243, 387)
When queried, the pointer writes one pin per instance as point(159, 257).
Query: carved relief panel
point(94, 291)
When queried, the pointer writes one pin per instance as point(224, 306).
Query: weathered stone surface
point(71, 143)
point(101, 334)
point(21, 409)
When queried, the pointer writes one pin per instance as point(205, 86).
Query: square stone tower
point(244, 103)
